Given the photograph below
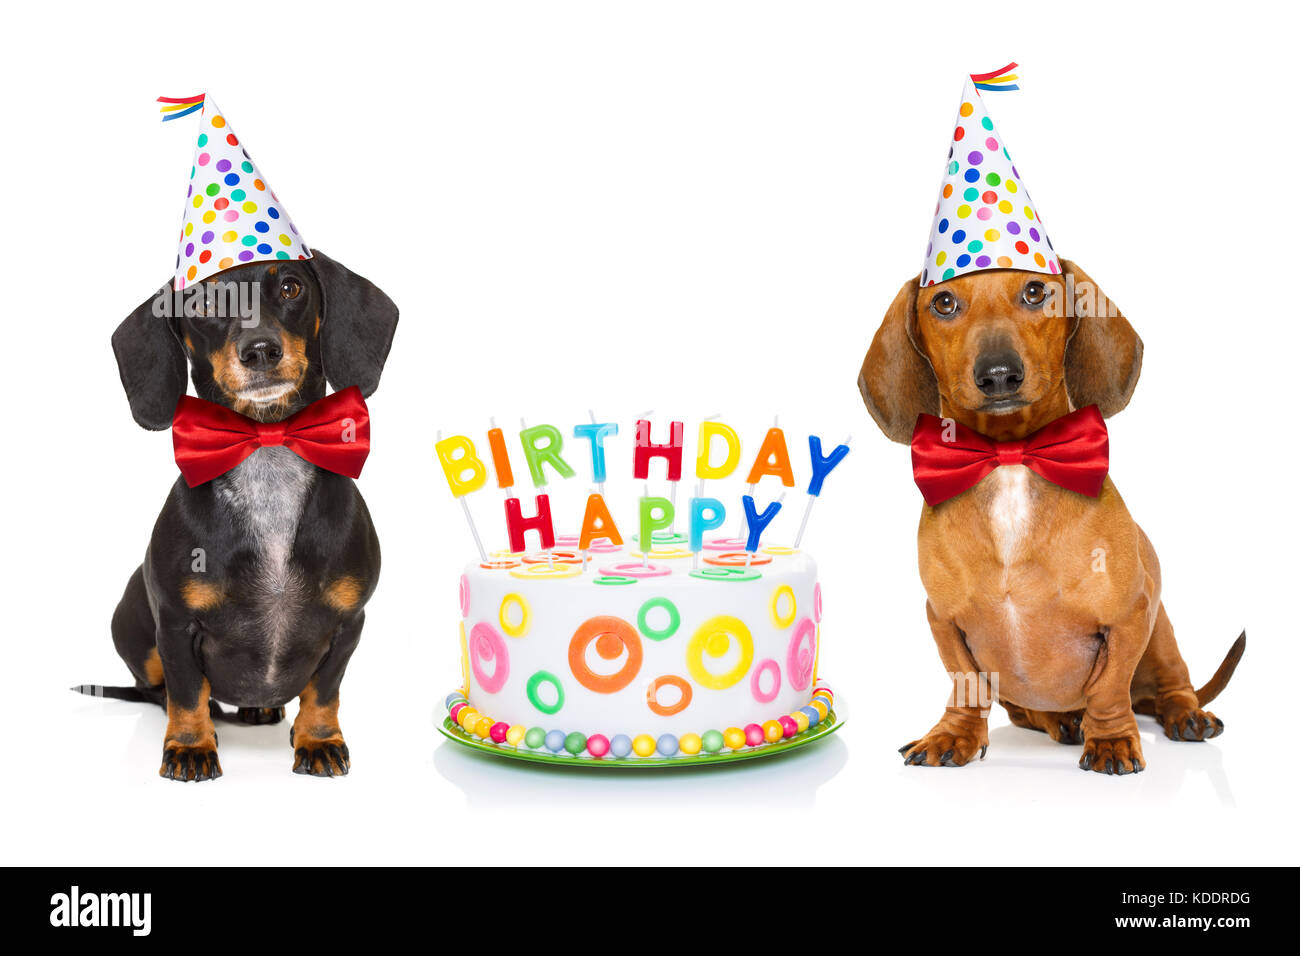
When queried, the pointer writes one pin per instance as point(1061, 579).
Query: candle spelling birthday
point(656, 538)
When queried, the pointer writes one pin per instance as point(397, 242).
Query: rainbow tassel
point(998, 80)
point(176, 107)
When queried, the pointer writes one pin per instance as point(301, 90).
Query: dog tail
point(1216, 683)
point(151, 695)
point(1224, 673)
point(116, 693)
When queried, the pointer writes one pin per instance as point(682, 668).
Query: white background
point(691, 207)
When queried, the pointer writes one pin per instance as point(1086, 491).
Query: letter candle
point(671, 452)
point(454, 467)
point(501, 459)
point(821, 468)
point(649, 524)
point(717, 514)
point(596, 433)
point(773, 459)
point(596, 521)
point(757, 522)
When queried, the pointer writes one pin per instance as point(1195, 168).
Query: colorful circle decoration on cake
point(613, 637)
point(535, 572)
point(803, 650)
point(613, 580)
point(635, 569)
point(725, 574)
point(534, 686)
point(781, 595)
point(464, 595)
point(511, 627)
point(668, 680)
point(669, 629)
point(551, 557)
point(767, 666)
point(485, 644)
point(714, 638)
point(737, 559)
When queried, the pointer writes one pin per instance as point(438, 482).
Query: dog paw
point(1066, 728)
point(1113, 755)
point(185, 762)
point(943, 748)
point(1190, 723)
point(327, 757)
point(260, 715)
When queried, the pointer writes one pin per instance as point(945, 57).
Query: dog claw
point(1117, 756)
point(189, 763)
point(322, 758)
point(1190, 725)
point(984, 748)
point(952, 744)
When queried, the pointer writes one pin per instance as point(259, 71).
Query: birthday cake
point(592, 649)
point(627, 658)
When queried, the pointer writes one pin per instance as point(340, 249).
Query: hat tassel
point(175, 107)
point(998, 80)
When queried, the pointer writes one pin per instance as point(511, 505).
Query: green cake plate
point(833, 722)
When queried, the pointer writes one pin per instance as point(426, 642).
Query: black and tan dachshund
point(253, 587)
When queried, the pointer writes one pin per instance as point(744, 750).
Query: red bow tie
point(210, 439)
point(1073, 452)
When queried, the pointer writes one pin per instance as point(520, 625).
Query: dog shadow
point(250, 745)
point(1032, 763)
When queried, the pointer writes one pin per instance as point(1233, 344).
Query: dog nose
point(261, 353)
point(999, 373)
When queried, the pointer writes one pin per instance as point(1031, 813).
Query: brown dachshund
point(1051, 597)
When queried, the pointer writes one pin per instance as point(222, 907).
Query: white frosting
point(558, 607)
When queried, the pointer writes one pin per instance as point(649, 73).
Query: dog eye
point(290, 289)
point(1035, 294)
point(944, 305)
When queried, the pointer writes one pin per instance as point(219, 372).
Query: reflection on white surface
point(790, 780)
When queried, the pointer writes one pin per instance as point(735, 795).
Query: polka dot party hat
point(231, 215)
point(984, 218)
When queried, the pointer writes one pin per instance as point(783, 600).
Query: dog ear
point(1103, 357)
point(896, 381)
point(151, 363)
point(356, 328)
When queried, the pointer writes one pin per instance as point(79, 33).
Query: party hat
point(984, 218)
point(232, 217)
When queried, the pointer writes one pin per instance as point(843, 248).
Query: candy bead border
point(467, 726)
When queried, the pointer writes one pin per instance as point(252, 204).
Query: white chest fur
point(1009, 515)
point(265, 494)
point(1009, 511)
